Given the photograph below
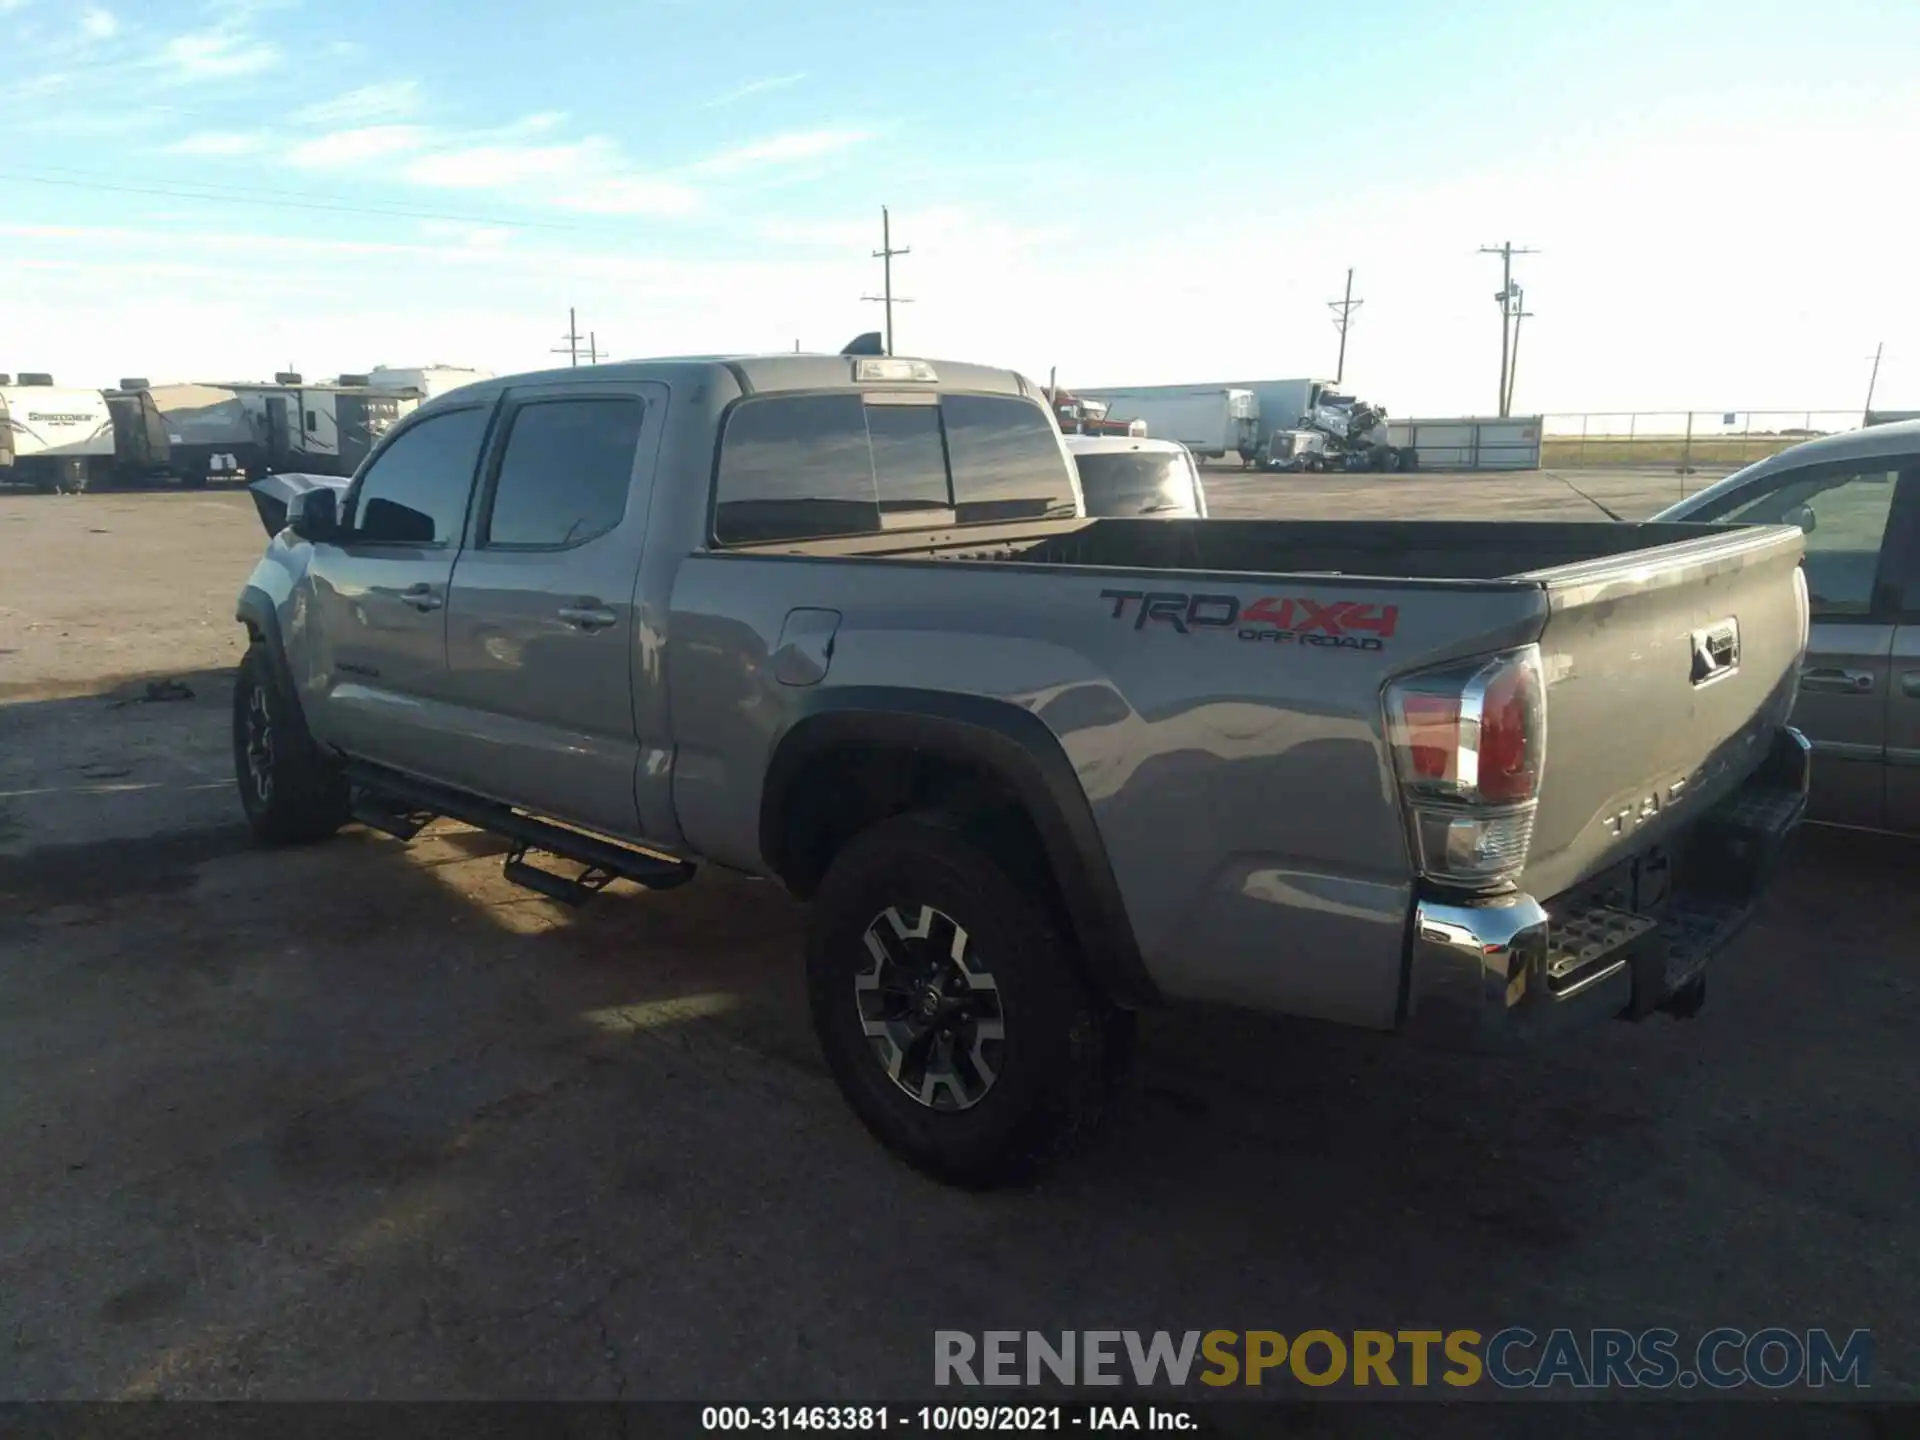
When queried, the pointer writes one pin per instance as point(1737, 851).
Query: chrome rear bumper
point(1505, 971)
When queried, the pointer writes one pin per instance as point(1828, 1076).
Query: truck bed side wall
point(1240, 786)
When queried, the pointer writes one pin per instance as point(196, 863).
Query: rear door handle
point(588, 614)
point(1834, 680)
point(422, 597)
point(1910, 684)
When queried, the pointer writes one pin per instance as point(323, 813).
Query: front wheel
point(290, 791)
point(949, 1005)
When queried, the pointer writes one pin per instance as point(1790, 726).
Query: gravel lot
point(360, 1120)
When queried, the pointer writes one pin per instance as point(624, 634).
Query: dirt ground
point(361, 1121)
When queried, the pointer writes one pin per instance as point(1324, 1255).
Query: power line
point(1508, 304)
point(281, 199)
point(885, 255)
point(1343, 317)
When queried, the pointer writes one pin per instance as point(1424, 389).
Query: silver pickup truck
point(842, 622)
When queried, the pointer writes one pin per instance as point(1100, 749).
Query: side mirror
point(314, 515)
point(1801, 515)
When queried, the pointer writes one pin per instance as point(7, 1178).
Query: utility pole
point(573, 337)
point(1520, 312)
point(1343, 311)
point(1506, 252)
point(593, 348)
point(1866, 414)
point(885, 255)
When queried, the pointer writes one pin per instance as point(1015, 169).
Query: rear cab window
point(849, 463)
point(1138, 482)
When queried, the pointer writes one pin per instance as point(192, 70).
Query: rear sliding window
point(804, 467)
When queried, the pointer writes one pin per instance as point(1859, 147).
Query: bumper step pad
point(1584, 940)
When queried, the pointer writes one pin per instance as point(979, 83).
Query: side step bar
point(399, 805)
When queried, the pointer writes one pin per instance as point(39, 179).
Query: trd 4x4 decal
point(1271, 619)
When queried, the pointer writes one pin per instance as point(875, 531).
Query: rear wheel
point(289, 789)
point(949, 1006)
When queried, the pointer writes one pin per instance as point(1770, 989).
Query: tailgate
point(1667, 671)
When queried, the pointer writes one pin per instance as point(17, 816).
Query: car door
point(543, 644)
point(1847, 509)
point(379, 648)
point(1902, 579)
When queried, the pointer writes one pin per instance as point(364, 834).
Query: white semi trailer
point(1303, 423)
point(1212, 422)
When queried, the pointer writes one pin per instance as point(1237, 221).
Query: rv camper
point(209, 433)
point(429, 382)
point(59, 439)
point(321, 429)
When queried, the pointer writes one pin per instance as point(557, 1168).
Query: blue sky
point(1132, 191)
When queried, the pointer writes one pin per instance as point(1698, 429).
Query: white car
point(1124, 475)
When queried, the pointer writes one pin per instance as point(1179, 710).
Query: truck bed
point(1375, 549)
point(1221, 756)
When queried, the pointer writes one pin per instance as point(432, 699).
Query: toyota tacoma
point(843, 622)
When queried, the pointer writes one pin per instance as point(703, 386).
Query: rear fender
point(1014, 746)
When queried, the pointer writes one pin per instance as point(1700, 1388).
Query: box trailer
point(1211, 422)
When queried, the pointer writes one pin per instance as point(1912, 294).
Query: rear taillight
point(1469, 745)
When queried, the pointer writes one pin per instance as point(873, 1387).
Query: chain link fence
point(1681, 439)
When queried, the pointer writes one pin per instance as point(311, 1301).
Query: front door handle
point(587, 615)
point(422, 597)
point(1837, 681)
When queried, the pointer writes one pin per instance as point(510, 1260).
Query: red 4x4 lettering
point(1335, 617)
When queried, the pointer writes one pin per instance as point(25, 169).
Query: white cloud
point(495, 167)
point(220, 142)
point(618, 196)
point(215, 55)
point(98, 24)
point(756, 87)
point(341, 149)
point(781, 149)
point(370, 104)
point(590, 176)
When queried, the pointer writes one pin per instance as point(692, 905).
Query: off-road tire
point(289, 789)
point(1064, 1047)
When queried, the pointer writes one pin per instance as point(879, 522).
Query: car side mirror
point(314, 515)
point(1801, 515)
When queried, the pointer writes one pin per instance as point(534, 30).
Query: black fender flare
point(1015, 746)
point(255, 610)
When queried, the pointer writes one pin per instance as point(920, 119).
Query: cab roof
point(763, 374)
point(1118, 444)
